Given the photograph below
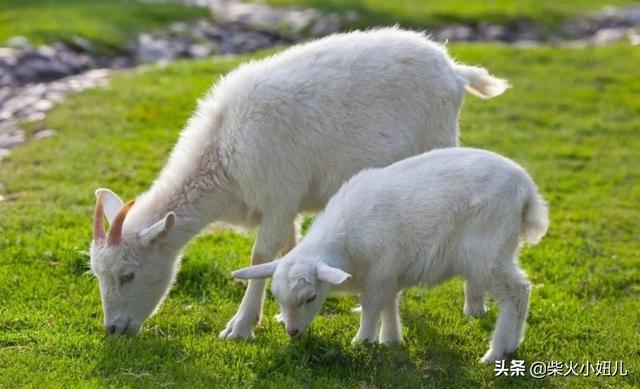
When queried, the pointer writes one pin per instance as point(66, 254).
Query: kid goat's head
point(300, 286)
point(134, 268)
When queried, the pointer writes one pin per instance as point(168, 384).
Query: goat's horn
point(98, 220)
point(115, 231)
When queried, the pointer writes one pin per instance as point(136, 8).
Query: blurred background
point(47, 40)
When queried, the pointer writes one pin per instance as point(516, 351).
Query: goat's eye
point(126, 278)
point(310, 299)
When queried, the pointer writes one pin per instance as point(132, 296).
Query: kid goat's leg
point(391, 328)
point(511, 288)
point(473, 299)
point(369, 318)
point(273, 235)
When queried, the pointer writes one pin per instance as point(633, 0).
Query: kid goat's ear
point(111, 203)
point(151, 234)
point(264, 270)
point(332, 275)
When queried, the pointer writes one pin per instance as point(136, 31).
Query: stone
point(46, 133)
point(456, 33)
point(19, 42)
point(493, 32)
point(43, 105)
point(199, 51)
point(610, 35)
point(8, 141)
point(121, 62)
point(46, 51)
point(81, 44)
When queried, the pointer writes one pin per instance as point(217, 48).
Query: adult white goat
point(273, 138)
point(449, 212)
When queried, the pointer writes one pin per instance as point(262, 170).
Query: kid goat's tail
point(535, 218)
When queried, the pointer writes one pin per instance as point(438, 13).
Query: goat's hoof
point(492, 356)
point(390, 341)
point(475, 311)
point(237, 329)
point(359, 340)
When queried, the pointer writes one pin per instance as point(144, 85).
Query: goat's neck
point(195, 202)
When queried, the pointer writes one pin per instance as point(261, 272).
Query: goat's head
point(134, 268)
point(300, 285)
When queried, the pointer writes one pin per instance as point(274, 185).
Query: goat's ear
point(151, 234)
point(264, 270)
point(332, 275)
point(111, 203)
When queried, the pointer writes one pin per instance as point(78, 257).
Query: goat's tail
point(479, 82)
point(535, 217)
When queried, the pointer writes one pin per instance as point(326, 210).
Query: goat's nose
point(110, 329)
point(293, 332)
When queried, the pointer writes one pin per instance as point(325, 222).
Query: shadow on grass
point(448, 367)
point(313, 360)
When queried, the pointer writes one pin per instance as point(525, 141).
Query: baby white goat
point(449, 212)
point(273, 138)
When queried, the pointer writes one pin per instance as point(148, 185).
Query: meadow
point(572, 118)
point(108, 24)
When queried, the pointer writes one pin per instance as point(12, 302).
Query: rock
point(8, 56)
point(8, 141)
point(179, 27)
point(43, 105)
point(199, 51)
point(34, 117)
point(610, 35)
point(263, 17)
point(19, 42)
point(492, 32)
point(325, 25)
point(46, 133)
point(121, 62)
point(46, 52)
point(81, 44)
point(456, 33)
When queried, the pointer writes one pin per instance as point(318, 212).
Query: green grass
point(572, 119)
point(422, 13)
point(109, 24)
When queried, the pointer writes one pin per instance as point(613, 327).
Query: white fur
point(277, 137)
point(449, 212)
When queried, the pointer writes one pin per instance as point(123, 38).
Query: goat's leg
point(473, 299)
point(291, 243)
point(292, 239)
point(373, 301)
point(391, 327)
point(512, 289)
point(273, 235)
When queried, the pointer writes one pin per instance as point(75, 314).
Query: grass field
point(572, 119)
point(421, 13)
point(109, 24)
